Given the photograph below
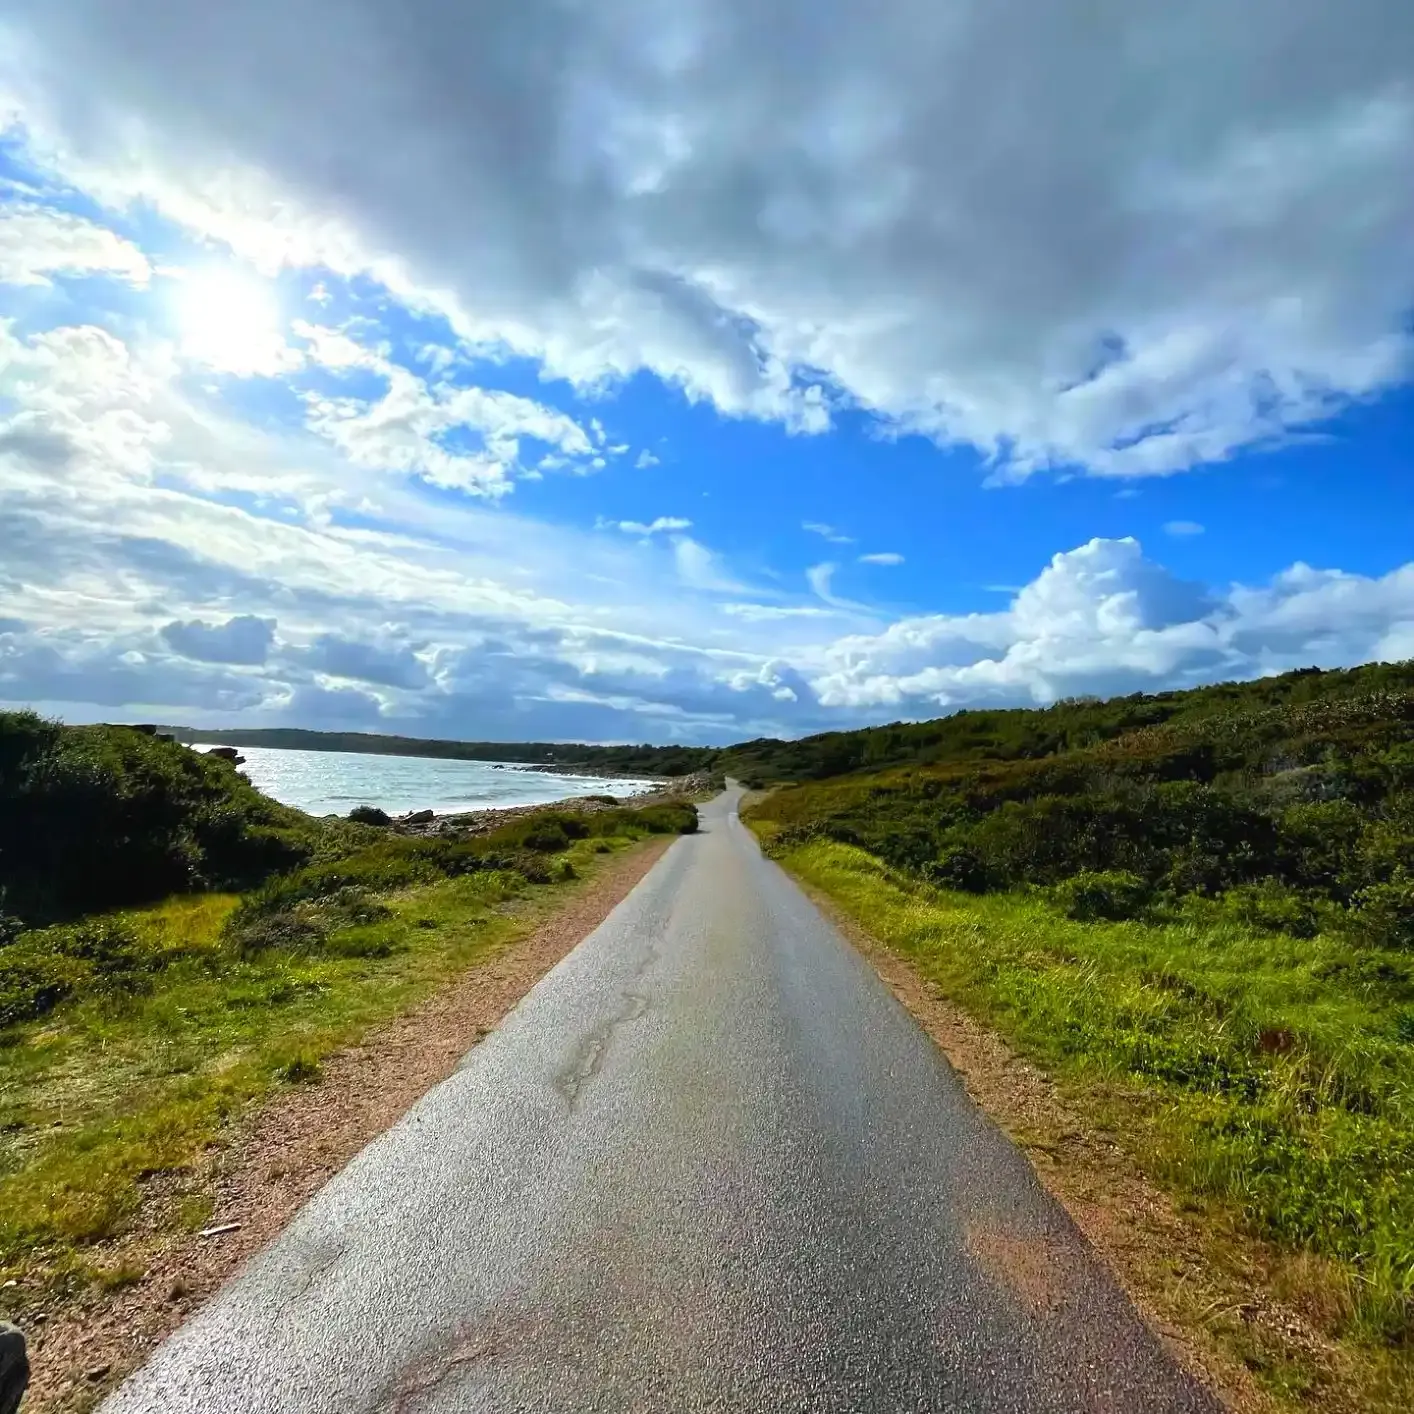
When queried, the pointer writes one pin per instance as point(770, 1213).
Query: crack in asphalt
point(589, 1056)
point(707, 1166)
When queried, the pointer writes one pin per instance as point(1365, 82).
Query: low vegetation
point(97, 818)
point(1203, 925)
point(129, 1035)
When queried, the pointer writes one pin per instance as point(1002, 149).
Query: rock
point(14, 1368)
point(419, 817)
point(227, 753)
point(97, 1372)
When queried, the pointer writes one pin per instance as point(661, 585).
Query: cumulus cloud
point(244, 639)
point(389, 663)
point(37, 243)
point(1116, 238)
point(1104, 618)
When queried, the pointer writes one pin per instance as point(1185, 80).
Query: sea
point(333, 782)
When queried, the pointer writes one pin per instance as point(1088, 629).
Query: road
point(709, 1163)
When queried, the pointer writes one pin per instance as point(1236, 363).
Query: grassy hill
point(1293, 795)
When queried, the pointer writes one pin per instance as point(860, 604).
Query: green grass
point(1268, 1077)
point(118, 1085)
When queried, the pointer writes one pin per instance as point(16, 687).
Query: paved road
point(708, 1164)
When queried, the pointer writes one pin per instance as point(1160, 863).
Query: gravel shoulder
point(269, 1165)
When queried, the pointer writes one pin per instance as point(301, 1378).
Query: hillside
point(1295, 789)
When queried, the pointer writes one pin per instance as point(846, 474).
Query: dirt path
point(287, 1151)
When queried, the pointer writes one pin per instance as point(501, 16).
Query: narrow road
point(709, 1163)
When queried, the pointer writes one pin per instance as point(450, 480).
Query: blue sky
point(662, 375)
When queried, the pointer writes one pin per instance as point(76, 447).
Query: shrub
point(370, 815)
point(46, 966)
point(670, 818)
point(1383, 915)
point(546, 837)
point(958, 867)
point(1104, 896)
point(1272, 908)
point(95, 818)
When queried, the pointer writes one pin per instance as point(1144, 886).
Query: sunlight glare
point(231, 321)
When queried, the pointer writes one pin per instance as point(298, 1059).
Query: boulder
point(419, 817)
point(227, 753)
point(14, 1368)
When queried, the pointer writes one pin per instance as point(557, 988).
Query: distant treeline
point(1004, 734)
point(626, 760)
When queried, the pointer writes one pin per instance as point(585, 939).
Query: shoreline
point(646, 787)
point(484, 819)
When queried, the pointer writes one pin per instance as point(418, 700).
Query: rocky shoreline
point(481, 822)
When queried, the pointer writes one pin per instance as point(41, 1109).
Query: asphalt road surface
point(709, 1163)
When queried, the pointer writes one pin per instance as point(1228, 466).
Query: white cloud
point(646, 459)
point(408, 429)
point(334, 349)
point(661, 525)
point(1183, 529)
point(769, 613)
point(1105, 619)
point(779, 227)
point(883, 557)
point(819, 578)
point(700, 568)
point(37, 242)
point(827, 532)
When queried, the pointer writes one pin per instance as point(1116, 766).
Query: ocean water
point(333, 782)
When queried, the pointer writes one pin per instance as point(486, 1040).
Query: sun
point(231, 321)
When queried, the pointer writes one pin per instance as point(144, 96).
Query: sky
point(701, 371)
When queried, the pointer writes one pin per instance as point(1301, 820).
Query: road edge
point(280, 1154)
point(1120, 1213)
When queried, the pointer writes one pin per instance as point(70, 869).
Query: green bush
point(370, 815)
point(96, 818)
point(1383, 915)
point(670, 818)
point(546, 837)
point(959, 867)
point(99, 956)
point(1272, 907)
point(1111, 896)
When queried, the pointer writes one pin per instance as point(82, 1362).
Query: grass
point(119, 1085)
point(1264, 1079)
